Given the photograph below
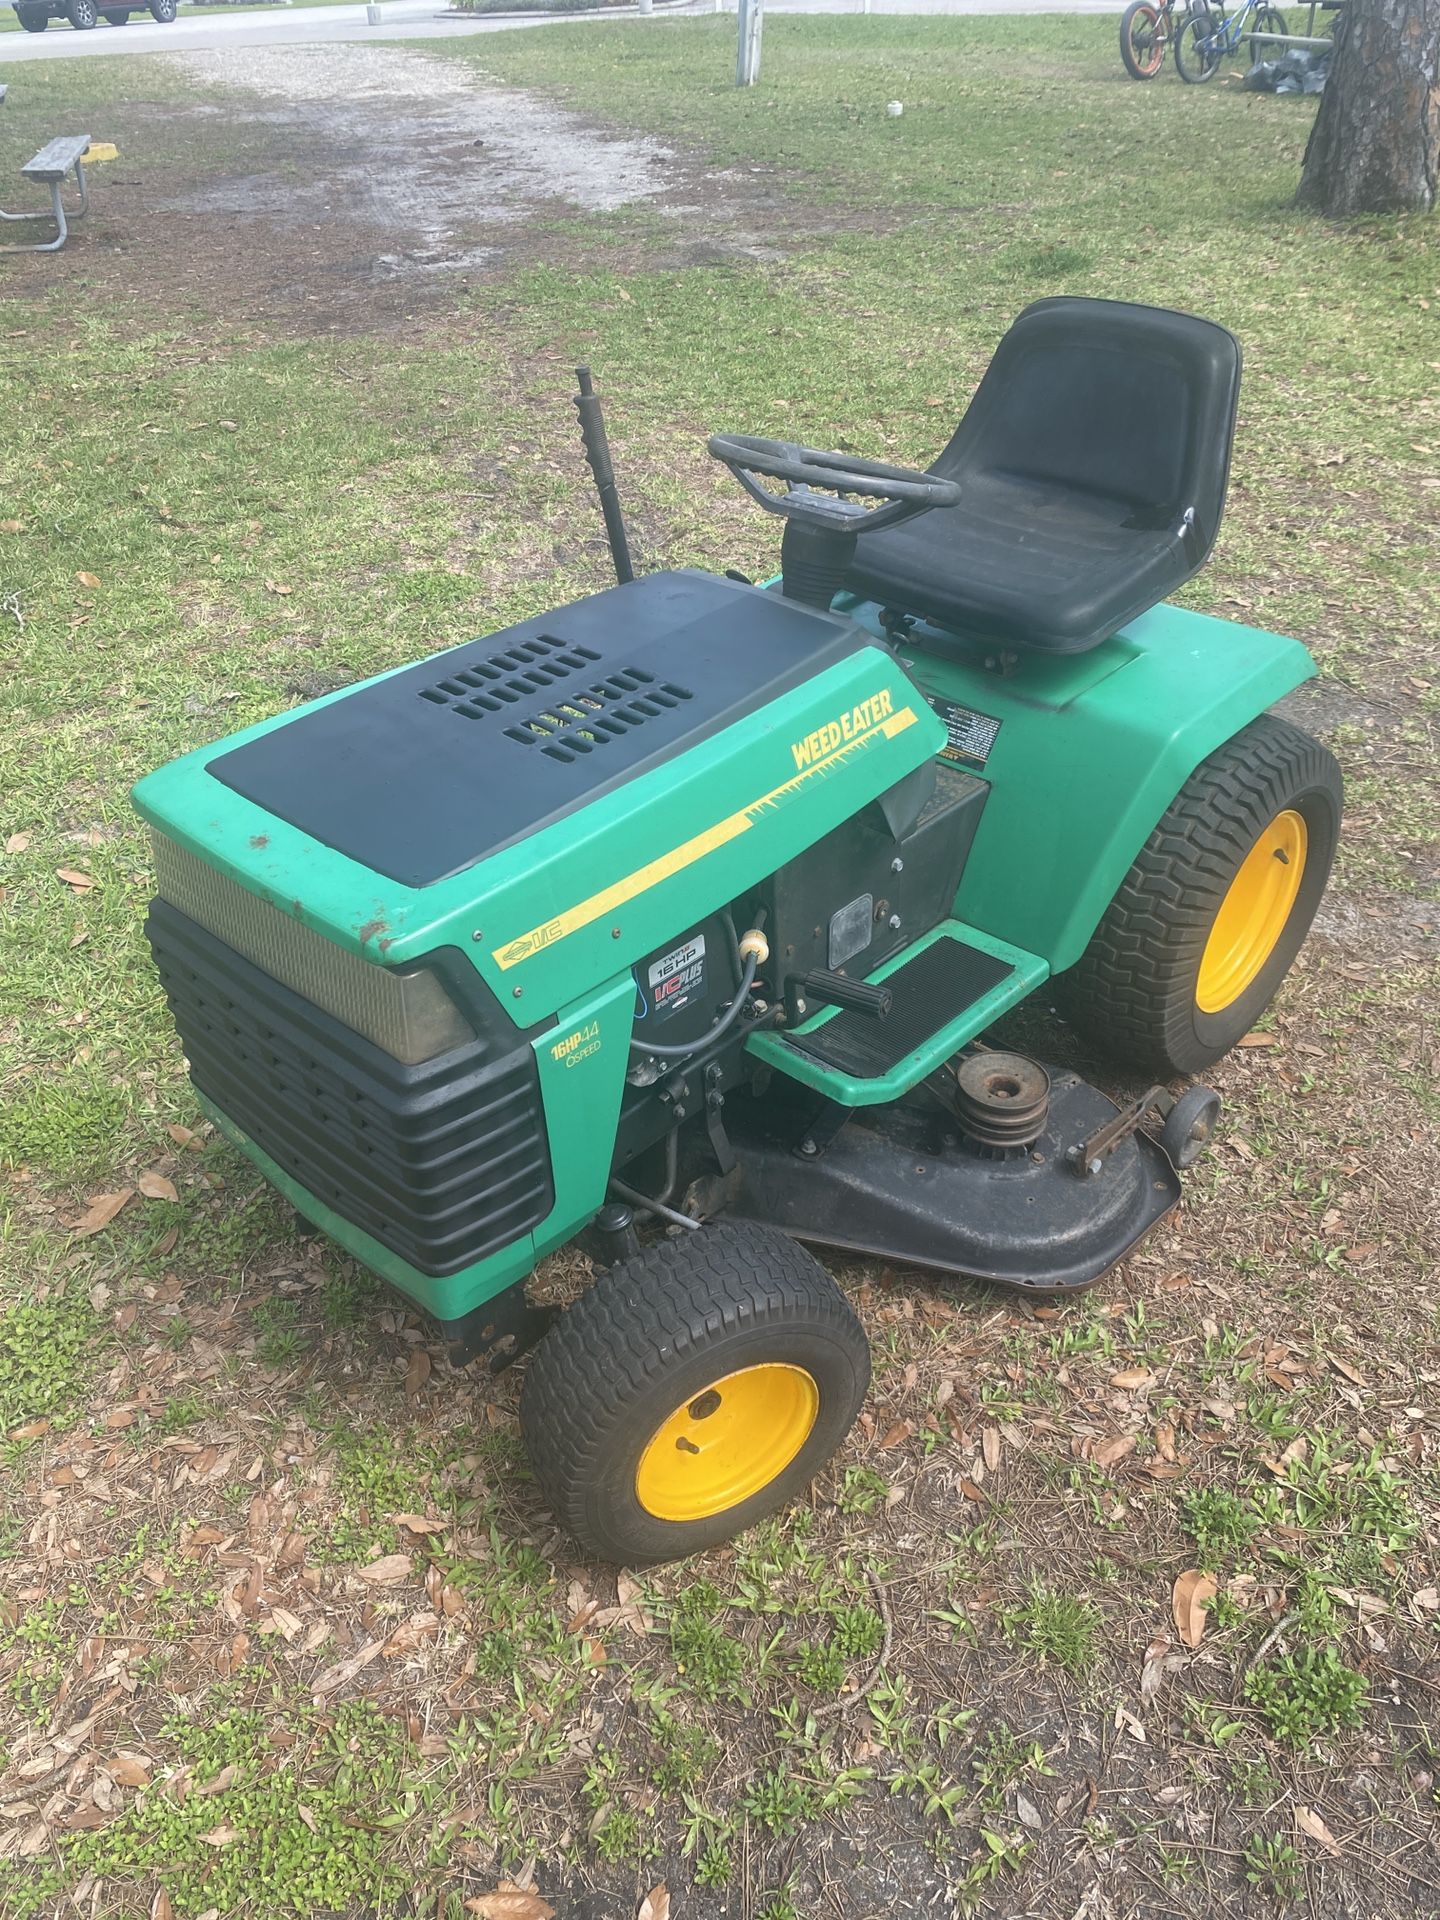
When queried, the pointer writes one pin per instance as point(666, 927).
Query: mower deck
point(899, 1183)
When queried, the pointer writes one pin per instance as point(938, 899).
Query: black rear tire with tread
point(1134, 989)
point(657, 1330)
point(1143, 20)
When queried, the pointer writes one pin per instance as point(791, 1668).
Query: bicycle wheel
point(1144, 36)
point(1197, 53)
point(1266, 20)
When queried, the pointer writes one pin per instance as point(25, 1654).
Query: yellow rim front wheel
point(1253, 914)
point(727, 1442)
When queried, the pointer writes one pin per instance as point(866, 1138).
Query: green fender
point(1084, 754)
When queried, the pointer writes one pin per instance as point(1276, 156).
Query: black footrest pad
point(930, 991)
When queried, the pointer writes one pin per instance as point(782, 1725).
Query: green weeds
point(48, 1345)
point(1057, 1627)
point(1307, 1694)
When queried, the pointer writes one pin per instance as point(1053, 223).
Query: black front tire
point(1136, 989)
point(664, 1333)
point(1192, 62)
point(164, 11)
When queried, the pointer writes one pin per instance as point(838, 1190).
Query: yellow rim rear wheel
point(727, 1442)
point(1254, 913)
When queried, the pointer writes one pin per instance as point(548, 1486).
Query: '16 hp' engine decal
point(677, 979)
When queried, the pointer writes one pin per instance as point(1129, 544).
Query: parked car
point(35, 15)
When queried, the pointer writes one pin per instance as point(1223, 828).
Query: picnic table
point(63, 155)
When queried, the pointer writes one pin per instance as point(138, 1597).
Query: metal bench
point(64, 154)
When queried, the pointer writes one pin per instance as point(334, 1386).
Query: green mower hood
point(559, 797)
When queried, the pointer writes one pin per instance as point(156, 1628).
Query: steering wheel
point(816, 484)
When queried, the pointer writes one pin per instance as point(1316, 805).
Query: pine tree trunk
point(1375, 145)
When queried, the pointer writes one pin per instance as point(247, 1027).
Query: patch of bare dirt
point(359, 190)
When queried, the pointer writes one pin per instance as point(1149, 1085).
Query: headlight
point(409, 1014)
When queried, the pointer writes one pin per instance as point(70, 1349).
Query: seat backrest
point(1127, 404)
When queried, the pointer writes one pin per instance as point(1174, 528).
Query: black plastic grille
point(607, 710)
point(443, 1163)
point(496, 681)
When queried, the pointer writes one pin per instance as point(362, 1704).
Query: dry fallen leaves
point(389, 1571)
point(656, 1904)
point(1193, 1593)
point(91, 580)
point(417, 1523)
point(17, 843)
point(1131, 1378)
point(1152, 1673)
point(509, 1903)
point(1307, 1821)
point(345, 1670)
point(74, 878)
point(155, 1186)
point(101, 1211)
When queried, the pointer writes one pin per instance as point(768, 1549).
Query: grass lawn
point(283, 1627)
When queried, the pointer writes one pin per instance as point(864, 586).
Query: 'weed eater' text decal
point(846, 726)
point(885, 723)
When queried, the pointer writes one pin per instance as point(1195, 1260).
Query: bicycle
point(1206, 37)
point(1146, 30)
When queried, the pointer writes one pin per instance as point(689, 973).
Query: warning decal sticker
point(971, 734)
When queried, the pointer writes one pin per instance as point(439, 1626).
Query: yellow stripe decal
point(689, 851)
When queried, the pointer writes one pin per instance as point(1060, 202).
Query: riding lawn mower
point(675, 919)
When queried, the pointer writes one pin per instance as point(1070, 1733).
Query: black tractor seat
point(1092, 463)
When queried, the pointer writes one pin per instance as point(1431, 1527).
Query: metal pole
point(1288, 40)
point(747, 55)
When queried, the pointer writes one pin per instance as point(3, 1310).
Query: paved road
point(408, 20)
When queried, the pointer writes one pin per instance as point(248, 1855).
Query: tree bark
point(1375, 145)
